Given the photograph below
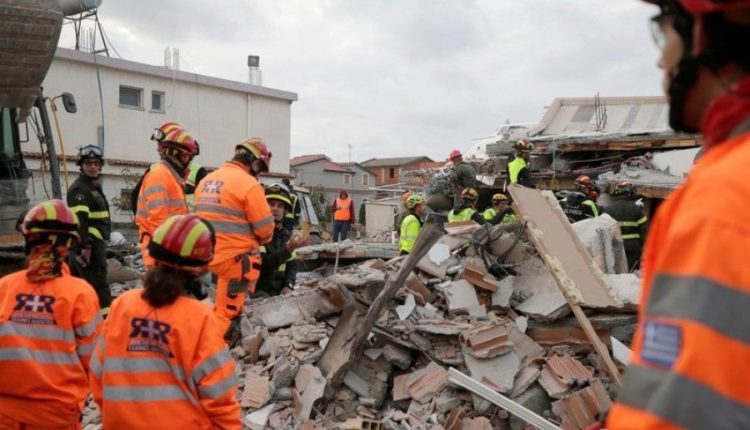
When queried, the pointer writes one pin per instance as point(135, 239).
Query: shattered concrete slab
point(283, 311)
point(602, 237)
point(524, 380)
point(498, 372)
point(258, 419)
point(545, 306)
point(461, 297)
point(569, 261)
point(501, 297)
point(628, 288)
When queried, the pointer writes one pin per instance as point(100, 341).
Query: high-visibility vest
point(161, 196)
point(691, 349)
point(165, 368)
point(47, 334)
point(343, 209)
point(193, 169)
point(490, 213)
point(410, 227)
point(464, 214)
point(235, 204)
point(515, 167)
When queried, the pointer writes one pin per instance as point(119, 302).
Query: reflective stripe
point(218, 389)
point(172, 203)
point(89, 328)
point(144, 393)
point(80, 208)
point(219, 210)
point(99, 214)
point(642, 220)
point(680, 400)
point(230, 227)
point(685, 297)
point(210, 365)
point(95, 365)
point(262, 223)
point(85, 349)
point(631, 236)
point(592, 205)
point(36, 331)
point(51, 357)
point(628, 223)
point(141, 365)
point(94, 232)
point(153, 189)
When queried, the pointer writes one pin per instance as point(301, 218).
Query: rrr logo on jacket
point(149, 336)
point(34, 309)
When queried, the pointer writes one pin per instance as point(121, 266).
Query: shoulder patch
point(79, 197)
point(662, 343)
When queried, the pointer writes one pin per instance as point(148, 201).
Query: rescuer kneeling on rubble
point(162, 362)
point(278, 268)
point(467, 210)
point(500, 212)
point(49, 322)
point(411, 223)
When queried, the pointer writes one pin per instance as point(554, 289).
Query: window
point(131, 97)
point(157, 101)
point(347, 179)
point(365, 179)
point(392, 172)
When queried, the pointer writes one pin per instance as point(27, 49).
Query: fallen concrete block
point(355, 383)
point(498, 372)
point(501, 297)
point(545, 306)
point(461, 297)
point(397, 355)
point(602, 238)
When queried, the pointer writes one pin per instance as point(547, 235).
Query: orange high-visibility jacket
point(47, 334)
point(162, 195)
point(235, 204)
point(691, 351)
point(343, 210)
point(165, 368)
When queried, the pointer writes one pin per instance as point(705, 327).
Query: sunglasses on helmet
point(91, 151)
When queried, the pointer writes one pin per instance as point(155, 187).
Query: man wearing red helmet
point(162, 192)
point(49, 323)
point(234, 202)
point(463, 175)
point(691, 349)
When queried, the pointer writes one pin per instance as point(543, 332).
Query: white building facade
point(135, 98)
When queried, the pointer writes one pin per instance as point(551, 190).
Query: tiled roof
point(393, 161)
point(304, 159)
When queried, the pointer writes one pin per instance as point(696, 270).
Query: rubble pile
point(481, 301)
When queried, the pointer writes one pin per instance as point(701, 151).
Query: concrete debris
point(620, 352)
point(310, 358)
point(602, 238)
point(582, 408)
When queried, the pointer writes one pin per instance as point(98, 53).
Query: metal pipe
point(54, 167)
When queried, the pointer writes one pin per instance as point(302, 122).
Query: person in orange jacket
point(343, 216)
point(691, 349)
point(162, 362)
point(234, 202)
point(162, 192)
point(49, 321)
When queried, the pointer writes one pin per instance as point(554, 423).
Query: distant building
point(317, 170)
point(135, 98)
point(388, 170)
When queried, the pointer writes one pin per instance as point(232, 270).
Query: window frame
point(347, 178)
point(162, 100)
point(130, 88)
point(365, 179)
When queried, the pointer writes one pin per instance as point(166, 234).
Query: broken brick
point(424, 383)
point(487, 341)
point(582, 408)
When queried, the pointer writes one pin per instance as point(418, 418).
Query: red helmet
point(181, 140)
point(50, 218)
point(455, 154)
point(162, 132)
point(523, 145)
point(257, 148)
point(183, 242)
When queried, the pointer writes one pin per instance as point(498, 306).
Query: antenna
point(600, 109)
point(85, 11)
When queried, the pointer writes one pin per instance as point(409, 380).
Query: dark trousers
point(341, 230)
point(95, 273)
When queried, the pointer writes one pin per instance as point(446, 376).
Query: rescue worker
point(691, 352)
point(162, 193)
point(278, 268)
point(158, 136)
point(87, 200)
point(291, 219)
point(633, 223)
point(162, 362)
point(577, 206)
point(500, 212)
point(462, 176)
point(587, 186)
point(233, 201)
point(49, 322)
point(343, 216)
point(411, 225)
point(467, 210)
point(518, 171)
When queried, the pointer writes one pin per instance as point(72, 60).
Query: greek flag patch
point(662, 343)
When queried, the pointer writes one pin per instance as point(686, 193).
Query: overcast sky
point(400, 77)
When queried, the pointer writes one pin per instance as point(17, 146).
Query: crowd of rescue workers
point(162, 342)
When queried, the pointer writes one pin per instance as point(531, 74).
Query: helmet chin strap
point(679, 86)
